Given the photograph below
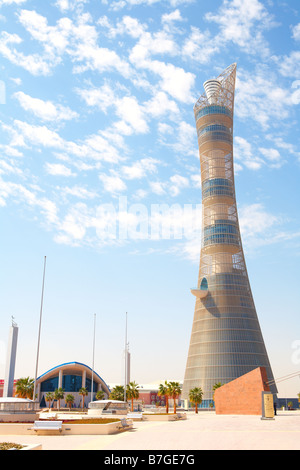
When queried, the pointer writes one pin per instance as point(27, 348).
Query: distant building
point(71, 377)
point(148, 395)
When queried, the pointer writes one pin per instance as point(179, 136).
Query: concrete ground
point(204, 431)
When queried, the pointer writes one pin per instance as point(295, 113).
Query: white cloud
point(10, 2)
point(102, 97)
point(33, 63)
point(78, 191)
point(118, 4)
point(296, 32)
point(170, 17)
point(184, 141)
point(178, 183)
point(244, 154)
point(129, 110)
point(66, 5)
point(289, 65)
point(200, 46)
point(54, 38)
point(45, 110)
point(94, 147)
point(255, 223)
point(39, 135)
point(270, 153)
point(140, 169)
point(58, 169)
point(260, 97)
point(242, 22)
point(22, 194)
point(158, 187)
point(112, 183)
point(160, 104)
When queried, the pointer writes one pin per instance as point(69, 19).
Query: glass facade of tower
point(226, 340)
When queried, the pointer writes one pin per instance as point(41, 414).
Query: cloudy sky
point(99, 171)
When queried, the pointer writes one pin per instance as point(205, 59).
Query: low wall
point(18, 417)
point(163, 417)
point(243, 395)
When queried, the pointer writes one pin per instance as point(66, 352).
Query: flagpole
point(93, 358)
point(125, 359)
point(39, 335)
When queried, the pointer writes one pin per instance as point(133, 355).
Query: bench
point(135, 415)
point(124, 424)
point(47, 426)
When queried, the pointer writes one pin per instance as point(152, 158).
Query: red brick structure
point(242, 396)
point(2, 387)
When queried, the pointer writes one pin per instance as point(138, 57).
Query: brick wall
point(242, 395)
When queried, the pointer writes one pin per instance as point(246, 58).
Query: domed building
point(71, 377)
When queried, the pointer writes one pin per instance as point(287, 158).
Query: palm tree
point(100, 395)
point(174, 392)
point(132, 392)
point(70, 400)
point(195, 396)
point(24, 388)
point(117, 393)
point(59, 394)
point(217, 385)
point(163, 391)
point(83, 392)
point(49, 397)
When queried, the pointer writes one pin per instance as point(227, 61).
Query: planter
point(20, 429)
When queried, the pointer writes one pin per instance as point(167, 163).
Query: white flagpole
point(39, 335)
point(125, 359)
point(93, 359)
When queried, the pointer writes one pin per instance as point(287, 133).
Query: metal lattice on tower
point(226, 340)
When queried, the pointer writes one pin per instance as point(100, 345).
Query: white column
point(60, 376)
point(10, 361)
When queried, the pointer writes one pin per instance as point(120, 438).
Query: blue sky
point(99, 171)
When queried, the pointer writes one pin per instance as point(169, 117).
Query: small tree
point(59, 394)
point(83, 392)
point(100, 395)
point(217, 385)
point(24, 388)
point(117, 393)
point(70, 400)
point(49, 398)
point(132, 392)
point(195, 396)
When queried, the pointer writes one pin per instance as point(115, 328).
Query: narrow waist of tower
point(220, 222)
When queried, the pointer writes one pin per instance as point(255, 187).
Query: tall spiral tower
point(226, 340)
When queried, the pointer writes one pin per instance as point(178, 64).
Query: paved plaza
point(205, 431)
